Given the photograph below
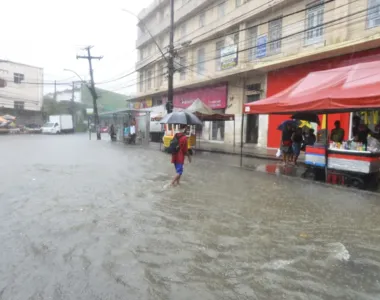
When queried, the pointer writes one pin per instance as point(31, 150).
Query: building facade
point(229, 52)
point(23, 86)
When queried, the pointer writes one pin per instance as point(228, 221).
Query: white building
point(23, 86)
point(67, 95)
point(230, 52)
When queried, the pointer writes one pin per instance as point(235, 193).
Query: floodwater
point(93, 220)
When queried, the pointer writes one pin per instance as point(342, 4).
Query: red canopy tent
point(345, 89)
point(351, 88)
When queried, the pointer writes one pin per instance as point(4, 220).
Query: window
point(149, 79)
point(18, 78)
point(314, 23)
point(373, 17)
point(201, 61)
point(222, 9)
point(236, 38)
point(275, 33)
point(252, 40)
point(238, 3)
point(183, 64)
point(19, 105)
point(183, 30)
point(218, 47)
point(202, 19)
point(141, 82)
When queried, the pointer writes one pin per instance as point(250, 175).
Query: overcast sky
point(50, 33)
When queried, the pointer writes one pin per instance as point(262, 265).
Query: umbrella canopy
point(293, 123)
point(351, 88)
point(181, 117)
point(305, 116)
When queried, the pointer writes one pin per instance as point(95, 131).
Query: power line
point(324, 25)
point(243, 50)
point(290, 14)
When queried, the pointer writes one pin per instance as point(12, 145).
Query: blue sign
point(261, 46)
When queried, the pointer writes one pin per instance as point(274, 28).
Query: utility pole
point(72, 104)
point(55, 90)
point(92, 89)
point(169, 104)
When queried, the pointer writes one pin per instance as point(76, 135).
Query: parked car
point(104, 129)
point(32, 128)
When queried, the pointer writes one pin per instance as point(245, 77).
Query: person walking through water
point(178, 148)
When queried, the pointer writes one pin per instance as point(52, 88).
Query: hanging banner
point(213, 96)
point(261, 46)
point(228, 57)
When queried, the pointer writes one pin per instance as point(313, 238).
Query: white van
point(59, 124)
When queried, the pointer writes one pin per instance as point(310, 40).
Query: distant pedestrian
point(297, 140)
point(286, 142)
point(178, 148)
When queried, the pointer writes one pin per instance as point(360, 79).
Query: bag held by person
point(279, 153)
point(174, 145)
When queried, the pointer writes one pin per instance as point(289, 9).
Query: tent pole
point(327, 148)
point(241, 138)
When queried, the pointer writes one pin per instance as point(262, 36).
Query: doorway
point(252, 136)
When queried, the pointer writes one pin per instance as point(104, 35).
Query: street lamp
point(72, 71)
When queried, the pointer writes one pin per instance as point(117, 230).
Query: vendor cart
point(352, 168)
point(171, 130)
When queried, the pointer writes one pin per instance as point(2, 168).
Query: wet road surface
point(92, 220)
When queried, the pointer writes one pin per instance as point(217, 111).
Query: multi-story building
point(23, 88)
point(234, 51)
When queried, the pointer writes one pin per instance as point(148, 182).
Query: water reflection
point(98, 224)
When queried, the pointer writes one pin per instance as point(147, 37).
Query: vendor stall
point(347, 89)
point(204, 113)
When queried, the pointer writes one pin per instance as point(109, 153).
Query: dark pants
point(132, 140)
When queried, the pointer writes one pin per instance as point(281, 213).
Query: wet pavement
point(93, 220)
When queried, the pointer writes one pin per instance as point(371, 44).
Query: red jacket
point(179, 157)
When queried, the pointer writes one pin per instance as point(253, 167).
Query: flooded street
point(92, 220)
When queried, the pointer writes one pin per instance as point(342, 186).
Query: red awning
point(351, 88)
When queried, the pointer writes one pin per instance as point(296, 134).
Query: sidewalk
point(248, 150)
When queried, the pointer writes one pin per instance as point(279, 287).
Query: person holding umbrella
point(178, 148)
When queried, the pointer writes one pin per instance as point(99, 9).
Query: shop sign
point(146, 103)
point(261, 46)
point(228, 57)
point(213, 96)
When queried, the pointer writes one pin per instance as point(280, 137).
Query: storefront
point(280, 80)
point(214, 96)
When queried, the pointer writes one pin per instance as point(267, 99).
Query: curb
point(244, 154)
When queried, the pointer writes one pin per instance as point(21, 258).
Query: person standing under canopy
point(337, 134)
